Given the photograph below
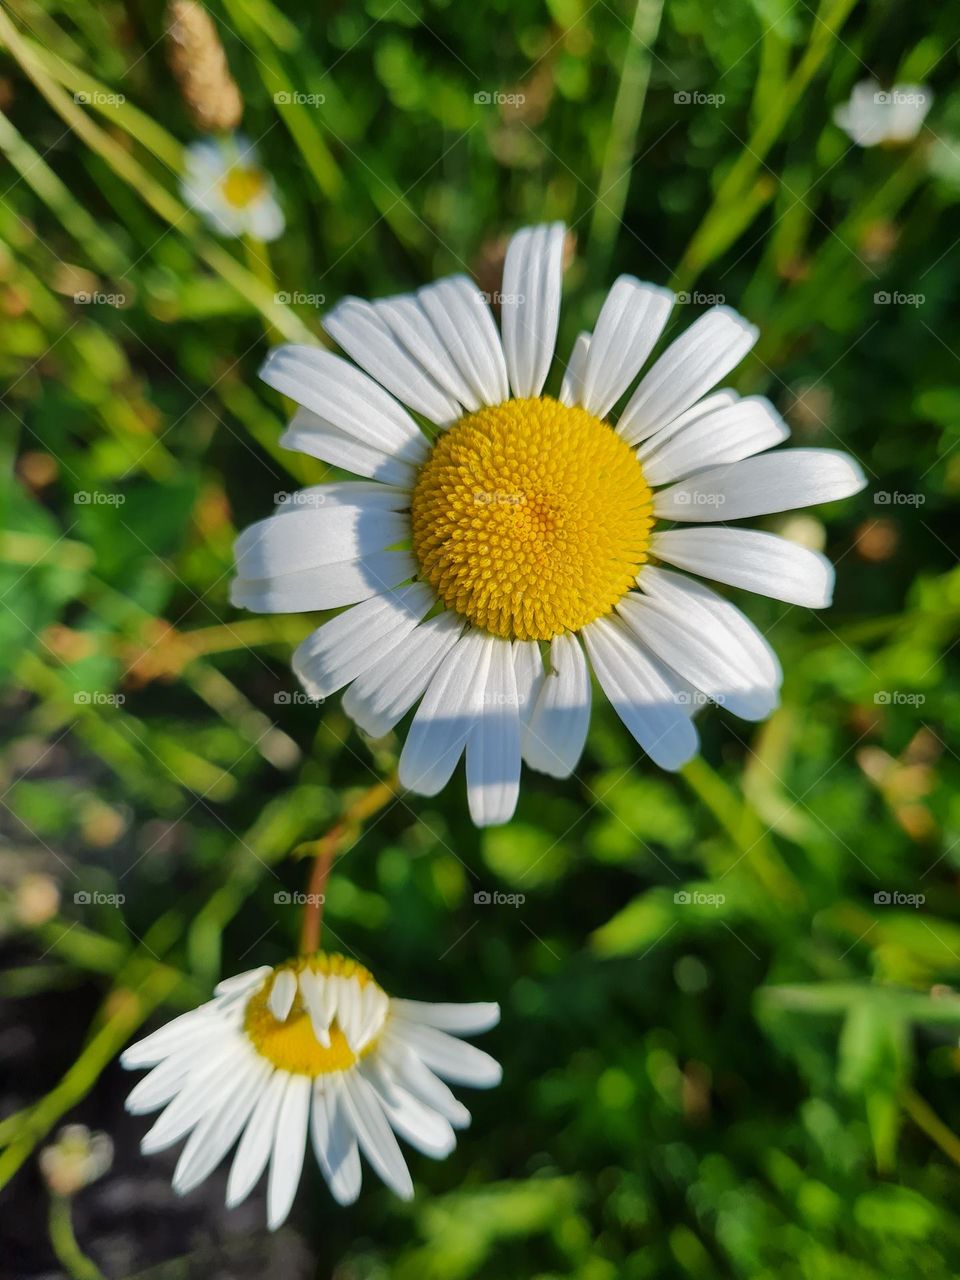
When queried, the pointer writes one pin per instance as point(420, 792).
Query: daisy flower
point(505, 542)
point(224, 182)
point(315, 1046)
point(875, 117)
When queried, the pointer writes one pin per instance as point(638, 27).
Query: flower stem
point(74, 1261)
point(324, 850)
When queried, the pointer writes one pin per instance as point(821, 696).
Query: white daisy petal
point(759, 562)
point(346, 399)
point(449, 1057)
point(334, 1143)
point(282, 994)
point(450, 708)
point(417, 1124)
point(216, 1133)
point(555, 735)
point(312, 992)
point(686, 592)
point(300, 540)
point(695, 642)
point(642, 692)
point(758, 486)
point(417, 1078)
point(630, 322)
point(360, 638)
point(708, 405)
point(571, 388)
point(188, 1028)
point(348, 1011)
point(385, 693)
point(712, 346)
point(326, 587)
point(530, 305)
point(413, 329)
point(461, 1019)
point(364, 1113)
point(241, 983)
point(361, 494)
point(257, 1142)
point(528, 673)
point(308, 433)
point(162, 1084)
point(367, 338)
point(199, 1091)
point(462, 319)
point(493, 744)
point(745, 428)
point(289, 1143)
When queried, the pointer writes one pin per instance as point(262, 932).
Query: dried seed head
point(199, 63)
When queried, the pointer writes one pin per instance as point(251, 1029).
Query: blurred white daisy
point(874, 116)
point(315, 1046)
point(224, 182)
point(494, 553)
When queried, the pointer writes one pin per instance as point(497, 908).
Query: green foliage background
point(765, 1086)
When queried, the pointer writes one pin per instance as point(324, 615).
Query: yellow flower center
point(291, 1045)
point(531, 518)
point(242, 185)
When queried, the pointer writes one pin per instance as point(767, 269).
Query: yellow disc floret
point(292, 1045)
point(531, 518)
point(242, 185)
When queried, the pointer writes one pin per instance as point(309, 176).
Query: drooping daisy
point(224, 182)
point(876, 117)
point(315, 1046)
point(506, 541)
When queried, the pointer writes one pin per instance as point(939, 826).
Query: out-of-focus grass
point(760, 1082)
